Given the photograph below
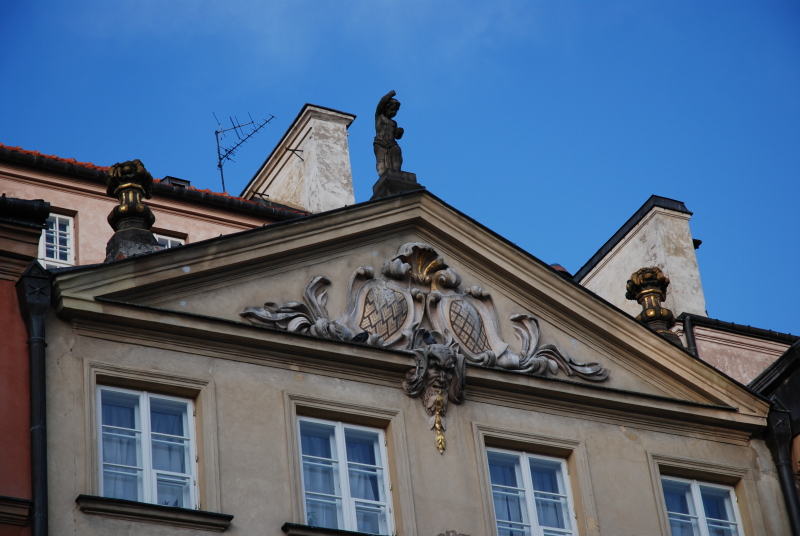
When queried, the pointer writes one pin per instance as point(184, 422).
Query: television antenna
point(225, 153)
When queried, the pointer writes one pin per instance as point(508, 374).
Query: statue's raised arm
point(381, 109)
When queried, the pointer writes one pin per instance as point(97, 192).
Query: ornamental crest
point(417, 301)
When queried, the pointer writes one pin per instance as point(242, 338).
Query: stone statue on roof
point(388, 156)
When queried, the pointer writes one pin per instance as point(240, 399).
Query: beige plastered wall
point(662, 238)
point(611, 468)
point(86, 201)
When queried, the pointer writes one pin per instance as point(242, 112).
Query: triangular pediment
point(395, 271)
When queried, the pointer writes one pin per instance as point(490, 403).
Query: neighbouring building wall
point(739, 356)
point(661, 237)
point(309, 169)
point(18, 247)
point(87, 203)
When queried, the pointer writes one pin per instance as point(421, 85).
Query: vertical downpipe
point(33, 294)
point(688, 331)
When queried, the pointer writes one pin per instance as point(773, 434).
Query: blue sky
point(549, 122)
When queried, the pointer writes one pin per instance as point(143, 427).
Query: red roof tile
point(90, 165)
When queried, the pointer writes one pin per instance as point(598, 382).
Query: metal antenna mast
point(225, 153)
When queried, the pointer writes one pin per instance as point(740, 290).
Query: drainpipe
point(779, 439)
point(688, 331)
point(33, 294)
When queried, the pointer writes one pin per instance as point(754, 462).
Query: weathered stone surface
point(395, 182)
point(662, 238)
point(130, 242)
point(310, 167)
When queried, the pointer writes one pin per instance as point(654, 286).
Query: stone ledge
point(153, 513)
point(14, 511)
point(294, 529)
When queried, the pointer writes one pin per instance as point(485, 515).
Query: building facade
point(306, 366)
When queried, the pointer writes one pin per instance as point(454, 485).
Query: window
point(167, 242)
point(530, 494)
point(147, 447)
point(57, 245)
point(700, 509)
point(345, 482)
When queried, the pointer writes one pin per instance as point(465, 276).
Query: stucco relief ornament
point(439, 377)
point(417, 293)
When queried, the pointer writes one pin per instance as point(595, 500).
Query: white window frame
point(170, 240)
point(348, 502)
point(700, 512)
point(149, 478)
point(530, 504)
point(48, 262)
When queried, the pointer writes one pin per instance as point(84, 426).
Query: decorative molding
point(399, 461)
point(419, 292)
point(438, 368)
point(153, 513)
point(14, 511)
point(199, 389)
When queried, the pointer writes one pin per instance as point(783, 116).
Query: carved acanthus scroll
point(419, 293)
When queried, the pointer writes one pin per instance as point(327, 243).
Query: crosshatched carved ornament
point(418, 292)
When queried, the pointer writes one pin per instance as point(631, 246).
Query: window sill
point(294, 529)
point(15, 511)
point(153, 513)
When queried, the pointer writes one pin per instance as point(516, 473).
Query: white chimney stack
point(309, 169)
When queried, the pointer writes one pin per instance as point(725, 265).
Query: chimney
point(309, 169)
point(131, 219)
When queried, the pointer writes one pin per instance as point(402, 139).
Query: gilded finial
point(648, 286)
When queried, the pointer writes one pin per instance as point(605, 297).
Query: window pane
point(323, 513)
point(170, 454)
point(122, 483)
point(552, 512)
point(121, 447)
point(678, 496)
point(172, 491)
point(509, 506)
point(545, 476)
point(361, 446)
point(506, 529)
point(716, 503)
point(168, 417)
point(503, 469)
point(371, 519)
point(317, 440)
point(683, 526)
point(321, 477)
point(365, 482)
point(120, 409)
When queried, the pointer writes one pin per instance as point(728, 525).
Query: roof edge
point(616, 238)
point(773, 376)
point(739, 329)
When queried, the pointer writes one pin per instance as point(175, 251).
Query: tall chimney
point(309, 169)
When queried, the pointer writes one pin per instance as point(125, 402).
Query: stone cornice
point(239, 341)
point(491, 257)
